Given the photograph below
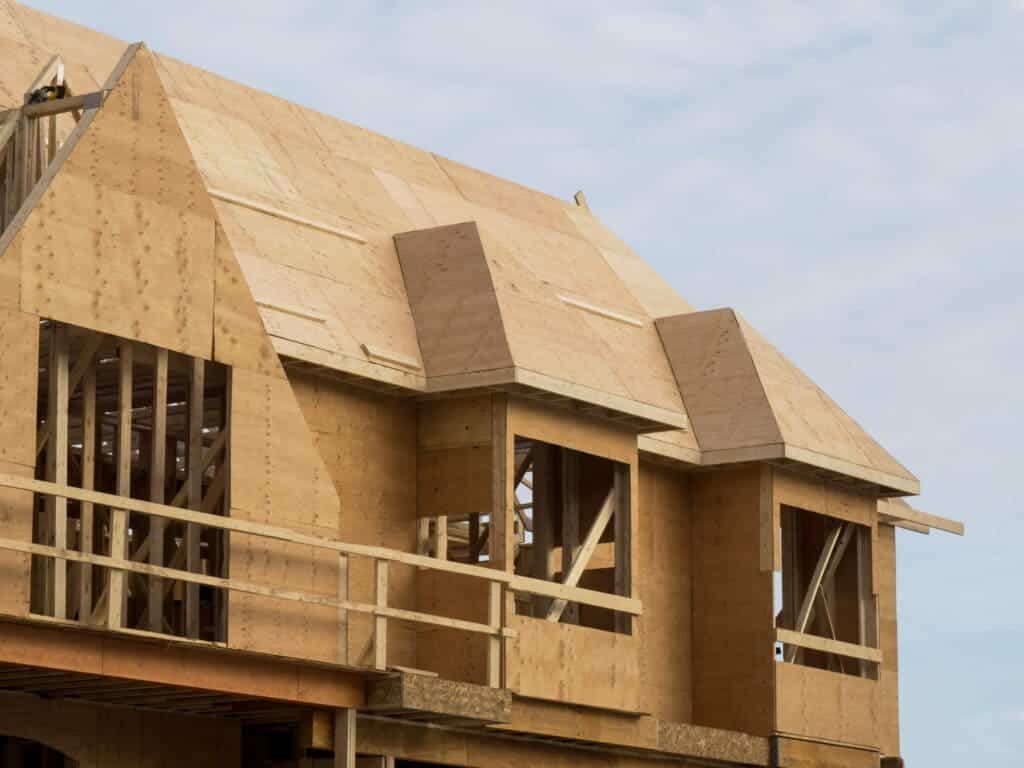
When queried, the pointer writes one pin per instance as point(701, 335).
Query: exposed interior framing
point(126, 418)
point(829, 610)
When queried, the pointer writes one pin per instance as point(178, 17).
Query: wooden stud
point(89, 439)
point(441, 537)
point(380, 623)
point(570, 522)
point(623, 543)
point(867, 601)
point(116, 594)
point(494, 642)
point(345, 738)
point(194, 480)
point(157, 480)
point(57, 459)
point(343, 595)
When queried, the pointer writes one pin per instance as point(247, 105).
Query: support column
point(157, 478)
point(116, 595)
point(57, 460)
point(345, 738)
point(194, 479)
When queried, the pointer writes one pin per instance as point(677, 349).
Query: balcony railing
point(500, 582)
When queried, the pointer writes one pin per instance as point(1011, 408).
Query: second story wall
point(368, 445)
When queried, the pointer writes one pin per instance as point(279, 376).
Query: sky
point(848, 175)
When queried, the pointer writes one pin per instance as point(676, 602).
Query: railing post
point(380, 622)
point(495, 640)
point(342, 612)
point(116, 595)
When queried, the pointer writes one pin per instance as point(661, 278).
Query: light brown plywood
point(122, 240)
point(830, 706)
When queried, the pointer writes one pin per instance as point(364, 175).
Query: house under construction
point(318, 449)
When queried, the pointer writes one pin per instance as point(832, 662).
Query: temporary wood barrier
point(495, 628)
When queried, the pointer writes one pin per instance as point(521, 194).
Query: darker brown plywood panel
point(723, 396)
point(824, 705)
point(733, 626)
point(451, 294)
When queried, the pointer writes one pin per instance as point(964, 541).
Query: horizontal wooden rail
point(515, 583)
point(827, 645)
point(252, 589)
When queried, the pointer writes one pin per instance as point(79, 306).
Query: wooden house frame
point(319, 449)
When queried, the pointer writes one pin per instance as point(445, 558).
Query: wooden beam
point(60, 106)
point(570, 522)
point(867, 601)
point(57, 459)
point(893, 510)
point(494, 643)
point(119, 517)
point(799, 639)
point(623, 543)
point(380, 624)
point(515, 582)
point(345, 738)
point(194, 481)
point(343, 596)
point(579, 564)
point(441, 537)
point(157, 484)
point(89, 439)
point(123, 566)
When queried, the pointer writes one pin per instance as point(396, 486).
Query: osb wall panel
point(823, 497)
point(664, 586)
point(110, 737)
point(19, 353)
point(820, 704)
point(809, 754)
point(454, 469)
point(278, 477)
point(576, 665)
point(368, 446)
point(122, 240)
point(888, 675)
point(733, 624)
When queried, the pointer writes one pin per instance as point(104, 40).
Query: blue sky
point(848, 175)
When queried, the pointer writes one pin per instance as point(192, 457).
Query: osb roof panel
point(742, 393)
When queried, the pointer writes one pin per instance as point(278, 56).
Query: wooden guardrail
point(498, 580)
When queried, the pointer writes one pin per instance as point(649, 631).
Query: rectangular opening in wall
point(126, 418)
point(571, 526)
point(828, 613)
